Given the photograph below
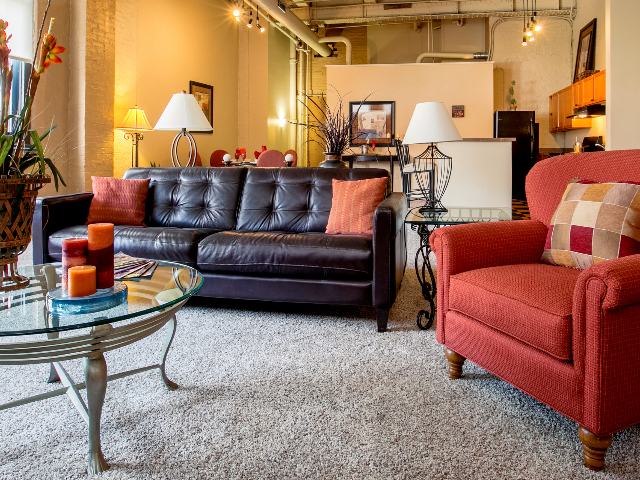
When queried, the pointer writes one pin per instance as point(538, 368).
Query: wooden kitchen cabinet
point(600, 87)
point(587, 97)
point(576, 94)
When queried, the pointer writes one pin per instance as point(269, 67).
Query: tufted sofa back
point(293, 199)
point(547, 180)
point(253, 199)
point(191, 197)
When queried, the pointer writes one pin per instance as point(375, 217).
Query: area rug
point(275, 391)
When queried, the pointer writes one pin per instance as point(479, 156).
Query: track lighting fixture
point(249, 25)
point(536, 26)
point(524, 40)
point(258, 26)
point(524, 27)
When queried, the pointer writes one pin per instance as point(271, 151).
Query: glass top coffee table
point(425, 224)
point(30, 334)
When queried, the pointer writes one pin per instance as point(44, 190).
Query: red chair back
point(547, 180)
point(295, 157)
point(271, 158)
point(216, 158)
point(198, 161)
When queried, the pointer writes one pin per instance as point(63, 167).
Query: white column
point(623, 75)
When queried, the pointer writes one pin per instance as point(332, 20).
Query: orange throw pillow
point(118, 201)
point(353, 204)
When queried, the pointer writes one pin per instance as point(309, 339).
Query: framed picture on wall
point(374, 121)
point(204, 97)
point(586, 50)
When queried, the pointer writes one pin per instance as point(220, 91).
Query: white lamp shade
point(431, 123)
point(183, 111)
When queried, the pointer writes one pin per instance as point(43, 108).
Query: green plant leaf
point(36, 141)
point(55, 173)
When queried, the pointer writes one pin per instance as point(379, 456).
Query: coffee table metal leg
point(425, 318)
point(171, 331)
point(95, 375)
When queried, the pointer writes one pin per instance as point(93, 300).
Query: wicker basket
point(17, 204)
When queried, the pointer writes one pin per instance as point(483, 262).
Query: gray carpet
point(296, 391)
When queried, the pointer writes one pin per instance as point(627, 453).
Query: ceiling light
point(237, 19)
point(537, 26)
point(236, 13)
point(532, 38)
point(529, 33)
point(258, 19)
point(249, 25)
point(524, 40)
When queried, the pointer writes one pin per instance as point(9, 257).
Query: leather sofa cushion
point(156, 243)
point(191, 197)
point(293, 199)
point(310, 255)
point(530, 302)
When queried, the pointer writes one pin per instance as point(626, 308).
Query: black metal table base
point(425, 317)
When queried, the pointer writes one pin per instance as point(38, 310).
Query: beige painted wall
point(179, 42)
point(623, 75)
point(539, 69)
point(278, 90)
point(468, 84)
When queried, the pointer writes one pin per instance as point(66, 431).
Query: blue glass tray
point(59, 301)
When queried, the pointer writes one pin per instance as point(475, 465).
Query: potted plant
point(23, 162)
point(331, 129)
point(513, 103)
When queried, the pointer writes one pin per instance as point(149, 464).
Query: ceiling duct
point(295, 25)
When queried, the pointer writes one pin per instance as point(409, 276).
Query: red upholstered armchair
point(569, 338)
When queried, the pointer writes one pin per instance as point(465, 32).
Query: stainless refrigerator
point(523, 127)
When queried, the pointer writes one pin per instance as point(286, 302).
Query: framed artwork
point(375, 121)
point(586, 50)
point(204, 97)
point(457, 111)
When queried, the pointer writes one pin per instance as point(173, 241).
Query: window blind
point(19, 14)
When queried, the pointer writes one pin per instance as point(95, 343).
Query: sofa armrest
point(388, 249)
point(55, 213)
point(460, 248)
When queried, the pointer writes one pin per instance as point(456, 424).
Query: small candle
point(100, 253)
point(74, 253)
point(82, 281)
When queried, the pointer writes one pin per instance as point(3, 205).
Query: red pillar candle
point(100, 253)
point(74, 254)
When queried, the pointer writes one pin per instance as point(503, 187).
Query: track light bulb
point(260, 27)
point(537, 28)
point(236, 13)
point(529, 33)
point(524, 40)
point(249, 24)
point(237, 19)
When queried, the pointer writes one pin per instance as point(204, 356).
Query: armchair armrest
point(460, 248)
point(606, 330)
point(388, 253)
point(55, 213)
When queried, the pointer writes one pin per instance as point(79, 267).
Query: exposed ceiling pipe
point(465, 56)
point(344, 40)
point(295, 25)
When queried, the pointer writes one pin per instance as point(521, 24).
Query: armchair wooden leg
point(594, 447)
point(455, 363)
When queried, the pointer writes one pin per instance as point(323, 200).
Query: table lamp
point(135, 121)
point(184, 114)
point(431, 123)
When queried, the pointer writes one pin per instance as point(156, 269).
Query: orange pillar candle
point(100, 253)
point(74, 253)
point(82, 280)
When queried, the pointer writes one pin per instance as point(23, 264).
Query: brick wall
point(125, 78)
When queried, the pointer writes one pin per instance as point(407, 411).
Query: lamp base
point(438, 208)
point(193, 151)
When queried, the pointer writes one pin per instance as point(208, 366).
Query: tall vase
point(332, 160)
point(17, 204)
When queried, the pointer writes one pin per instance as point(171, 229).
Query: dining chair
point(271, 158)
point(295, 157)
point(216, 158)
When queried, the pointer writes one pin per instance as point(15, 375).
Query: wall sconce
point(283, 121)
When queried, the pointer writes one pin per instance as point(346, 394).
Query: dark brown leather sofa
point(254, 233)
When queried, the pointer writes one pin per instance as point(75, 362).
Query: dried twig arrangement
point(330, 128)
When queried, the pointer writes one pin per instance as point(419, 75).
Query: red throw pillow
point(593, 223)
point(353, 204)
point(118, 201)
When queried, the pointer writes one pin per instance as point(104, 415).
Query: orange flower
point(52, 50)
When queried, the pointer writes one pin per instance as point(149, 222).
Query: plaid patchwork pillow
point(593, 223)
